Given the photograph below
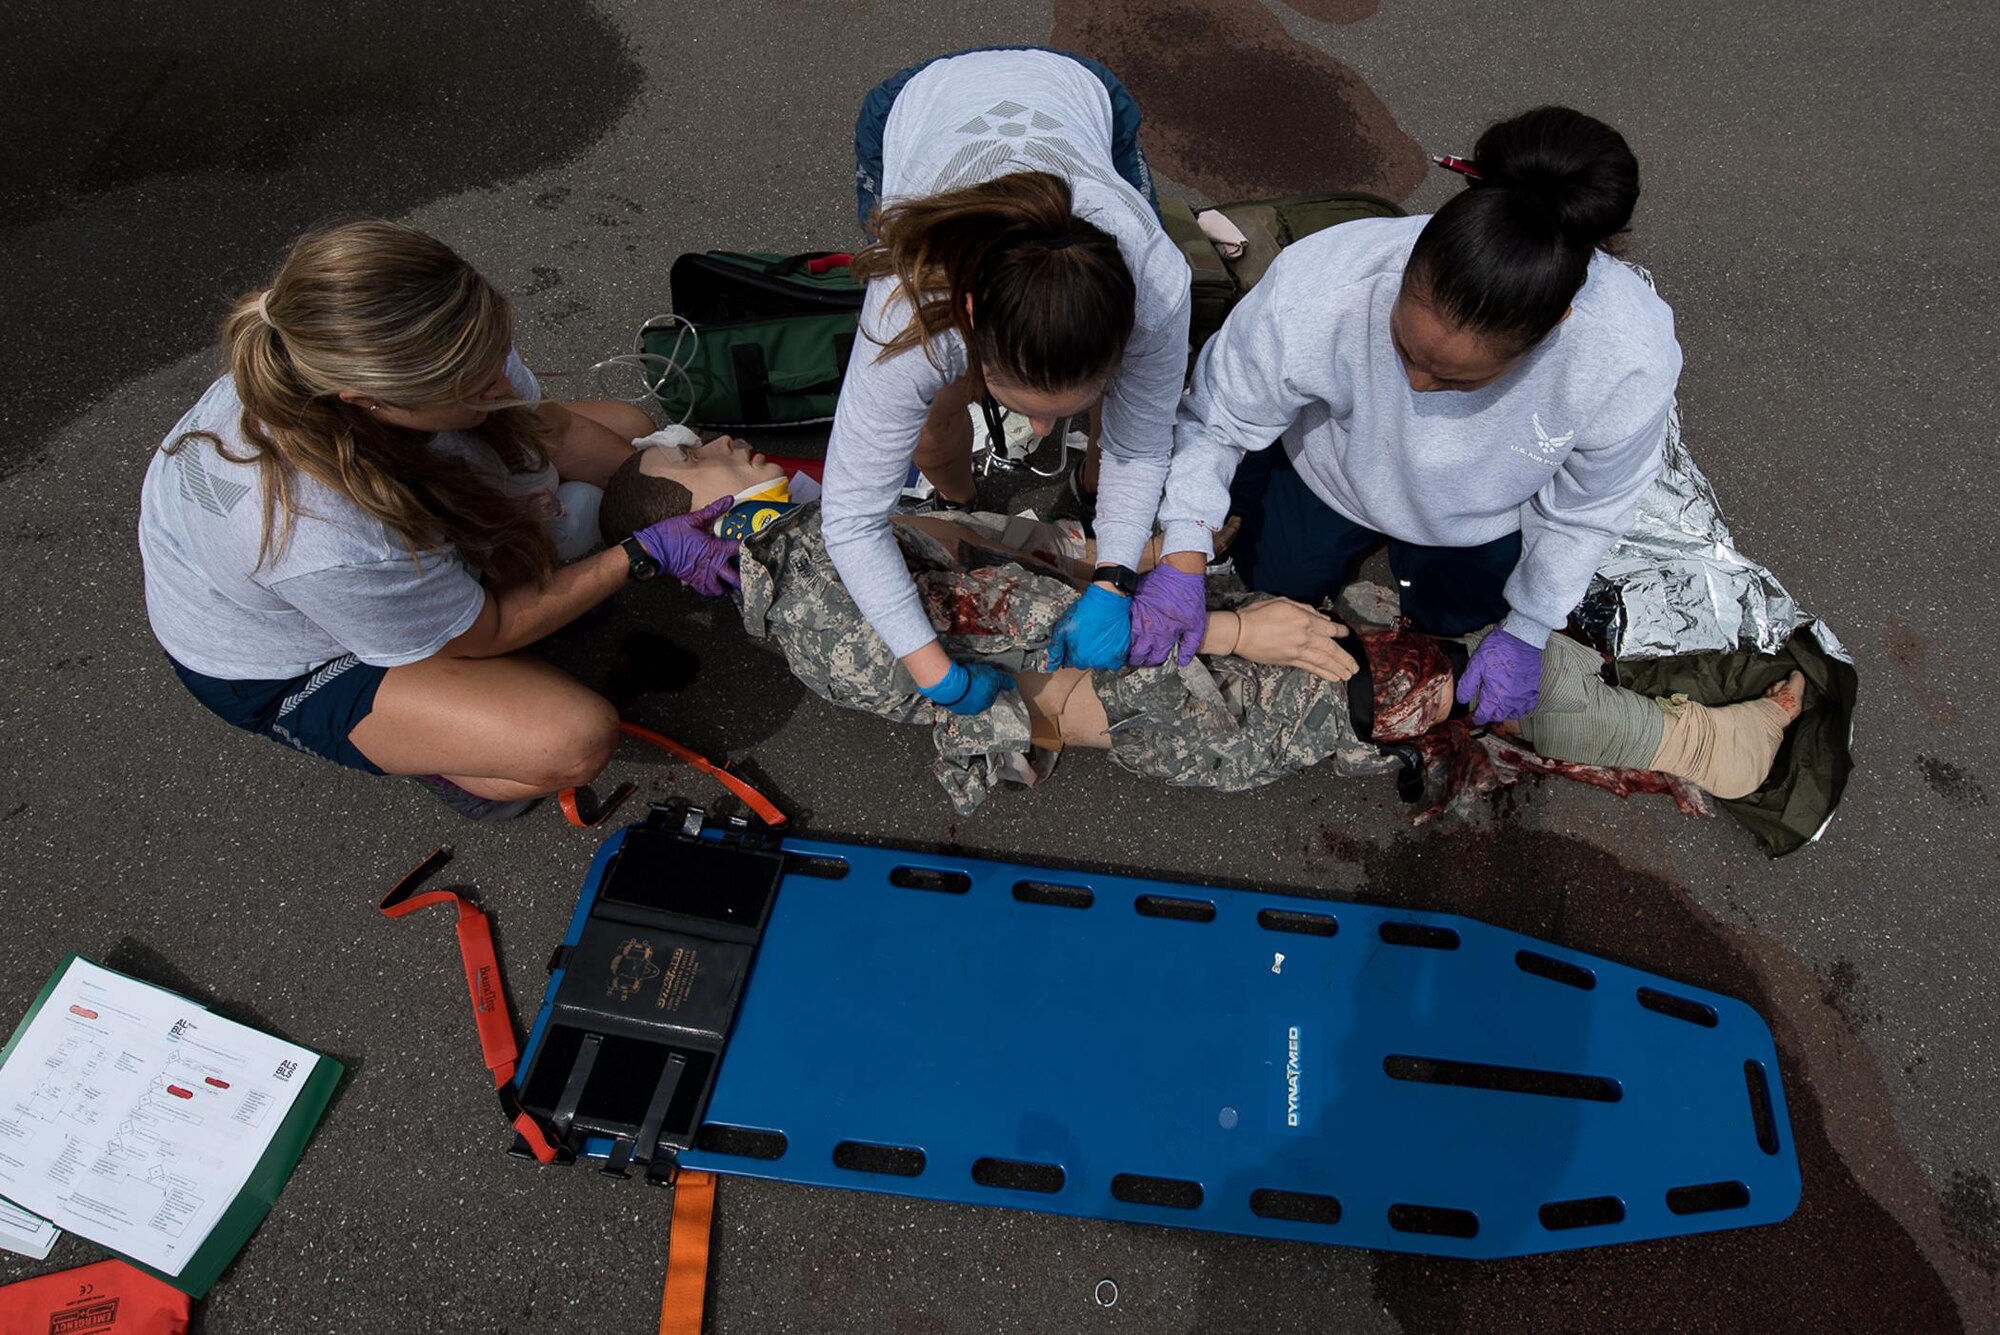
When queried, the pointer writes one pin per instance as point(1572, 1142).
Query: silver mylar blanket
point(1675, 583)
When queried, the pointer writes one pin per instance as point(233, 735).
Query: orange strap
point(756, 801)
point(483, 982)
point(686, 1291)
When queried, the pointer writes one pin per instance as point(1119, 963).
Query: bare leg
point(502, 728)
point(944, 450)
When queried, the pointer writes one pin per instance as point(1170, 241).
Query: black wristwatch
point(639, 564)
point(1122, 578)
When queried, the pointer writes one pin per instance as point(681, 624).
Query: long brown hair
point(393, 313)
point(1053, 301)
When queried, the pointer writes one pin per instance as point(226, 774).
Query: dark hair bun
point(1575, 166)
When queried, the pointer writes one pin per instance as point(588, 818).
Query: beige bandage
point(1725, 749)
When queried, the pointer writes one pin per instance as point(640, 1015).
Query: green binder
point(260, 1190)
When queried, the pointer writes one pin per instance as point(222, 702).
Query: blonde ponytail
point(384, 310)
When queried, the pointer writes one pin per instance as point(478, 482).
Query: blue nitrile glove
point(1094, 633)
point(1505, 674)
point(1169, 616)
point(968, 690)
point(686, 549)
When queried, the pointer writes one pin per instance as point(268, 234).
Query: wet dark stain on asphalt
point(1952, 783)
point(180, 166)
point(1972, 1218)
point(1845, 994)
point(1213, 76)
point(1911, 655)
point(1904, 645)
point(1842, 1262)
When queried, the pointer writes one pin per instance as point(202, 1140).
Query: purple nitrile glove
point(1169, 615)
point(1506, 675)
point(686, 549)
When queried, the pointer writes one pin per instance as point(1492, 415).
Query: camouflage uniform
point(1230, 724)
point(1218, 723)
point(1003, 615)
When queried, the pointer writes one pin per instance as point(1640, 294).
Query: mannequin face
point(722, 467)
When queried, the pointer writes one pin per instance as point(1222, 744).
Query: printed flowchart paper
point(132, 1117)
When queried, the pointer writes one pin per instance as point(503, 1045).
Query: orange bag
point(109, 1298)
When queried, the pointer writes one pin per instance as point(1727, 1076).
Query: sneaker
point(470, 805)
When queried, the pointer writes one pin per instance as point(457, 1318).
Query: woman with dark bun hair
point(1485, 390)
point(1019, 261)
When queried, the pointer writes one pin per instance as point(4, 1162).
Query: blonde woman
point(348, 539)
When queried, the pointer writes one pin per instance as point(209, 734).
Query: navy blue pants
point(1292, 543)
point(1125, 155)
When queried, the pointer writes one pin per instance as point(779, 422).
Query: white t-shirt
point(958, 122)
point(344, 584)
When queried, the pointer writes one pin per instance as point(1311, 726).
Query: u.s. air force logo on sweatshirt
point(1544, 448)
point(1010, 131)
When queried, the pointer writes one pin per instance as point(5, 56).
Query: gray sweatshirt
point(958, 122)
point(1560, 447)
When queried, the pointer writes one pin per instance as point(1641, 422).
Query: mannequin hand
point(1290, 634)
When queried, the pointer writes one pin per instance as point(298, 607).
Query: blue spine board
point(1256, 1075)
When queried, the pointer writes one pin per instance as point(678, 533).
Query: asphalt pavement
point(1819, 190)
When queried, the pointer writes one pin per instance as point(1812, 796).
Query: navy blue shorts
point(868, 127)
point(313, 712)
point(1295, 545)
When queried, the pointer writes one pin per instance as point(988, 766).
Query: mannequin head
point(661, 481)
